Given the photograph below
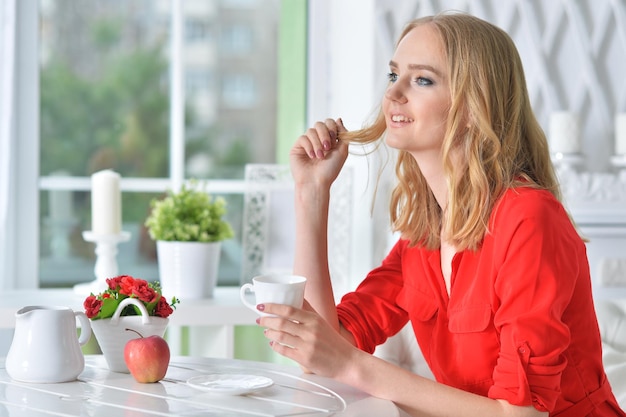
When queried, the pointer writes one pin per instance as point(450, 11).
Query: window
point(196, 30)
point(106, 101)
point(239, 91)
point(197, 81)
point(236, 39)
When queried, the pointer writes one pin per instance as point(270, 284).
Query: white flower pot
point(112, 335)
point(188, 270)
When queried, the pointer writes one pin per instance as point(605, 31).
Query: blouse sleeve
point(371, 313)
point(539, 256)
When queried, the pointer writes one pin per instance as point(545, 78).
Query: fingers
point(340, 126)
point(321, 138)
point(306, 338)
point(283, 333)
point(281, 311)
point(284, 326)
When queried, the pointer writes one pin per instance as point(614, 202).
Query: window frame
point(29, 181)
point(27, 150)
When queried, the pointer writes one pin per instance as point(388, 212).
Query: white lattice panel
point(574, 54)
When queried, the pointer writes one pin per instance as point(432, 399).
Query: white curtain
point(8, 142)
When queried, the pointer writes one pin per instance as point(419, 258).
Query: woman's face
point(417, 99)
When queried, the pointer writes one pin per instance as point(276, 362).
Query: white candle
point(106, 203)
point(564, 133)
point(620, 134)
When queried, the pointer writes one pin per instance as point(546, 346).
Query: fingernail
point(312, 154)
point(327, 145)
point(260, 307)
point(258, 320)
point(320, 154)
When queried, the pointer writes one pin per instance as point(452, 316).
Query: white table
point(213, 319)
point(99, 392)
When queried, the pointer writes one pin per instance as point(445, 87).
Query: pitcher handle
point(85, 327)
point(145, 317)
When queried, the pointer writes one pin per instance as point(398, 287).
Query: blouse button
point(522, 350)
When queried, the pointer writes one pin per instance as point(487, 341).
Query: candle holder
point(106, 260)
point(567, 161)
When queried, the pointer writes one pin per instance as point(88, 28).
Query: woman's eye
point(392, 77)
point(423, 81)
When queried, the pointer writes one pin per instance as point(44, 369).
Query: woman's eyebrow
point(430, 68)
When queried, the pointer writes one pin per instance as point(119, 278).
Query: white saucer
point(230, 384)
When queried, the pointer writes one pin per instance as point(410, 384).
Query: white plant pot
point(188, 270)
point(112, 334)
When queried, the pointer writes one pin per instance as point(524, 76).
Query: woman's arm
point(315, 345)
point(311, 251)
point(316, 159)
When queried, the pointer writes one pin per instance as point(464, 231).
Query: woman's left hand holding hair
point(317, 156)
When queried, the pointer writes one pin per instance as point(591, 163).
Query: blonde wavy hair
point(490, 124)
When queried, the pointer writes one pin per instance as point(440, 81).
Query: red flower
point(142, 290)
point(163, 309)
point(114, 283)
point(103, 305)
point(92, 306)
point(127, 283)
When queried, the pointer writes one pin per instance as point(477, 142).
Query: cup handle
point(85, 327)
point(242, 294)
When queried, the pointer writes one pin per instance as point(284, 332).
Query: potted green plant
point(188, 227)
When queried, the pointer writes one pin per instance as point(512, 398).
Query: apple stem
point(133, 330)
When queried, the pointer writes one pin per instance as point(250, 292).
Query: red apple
point(147, 358)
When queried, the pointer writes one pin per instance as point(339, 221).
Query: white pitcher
point(46, 345)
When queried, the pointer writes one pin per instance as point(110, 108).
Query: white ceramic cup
point(274, 288)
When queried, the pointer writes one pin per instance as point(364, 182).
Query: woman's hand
point(305, 337)
point(318, 156)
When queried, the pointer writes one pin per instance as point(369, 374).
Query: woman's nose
point(394, 93)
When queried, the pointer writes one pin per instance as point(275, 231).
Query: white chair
point(269, 224)
point(403, 350)
point(612, 321)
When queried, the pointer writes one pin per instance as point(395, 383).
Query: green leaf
point(109, 305)
point(191, 215)
point(150, 306)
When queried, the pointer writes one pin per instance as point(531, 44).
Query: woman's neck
point(432, 170)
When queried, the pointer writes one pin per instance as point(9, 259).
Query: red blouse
point(519, 323)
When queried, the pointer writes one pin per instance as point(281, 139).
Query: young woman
point(489, 268)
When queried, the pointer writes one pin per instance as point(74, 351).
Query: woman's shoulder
point(534, 211)
point(528, 202)
point(529, 198)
